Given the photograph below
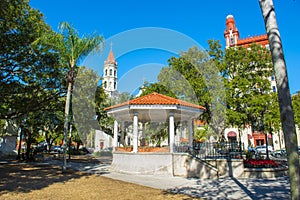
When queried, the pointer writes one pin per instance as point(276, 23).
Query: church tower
point(110, 78)
point(231, 33)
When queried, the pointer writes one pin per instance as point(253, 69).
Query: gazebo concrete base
point(143, 163)
point(182, 164)
point(172, 164)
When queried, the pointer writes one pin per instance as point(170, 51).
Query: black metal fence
point(213, 150)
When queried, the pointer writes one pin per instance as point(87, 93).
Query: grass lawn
point(40, 181)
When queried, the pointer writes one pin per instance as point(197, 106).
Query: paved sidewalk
point(226, 188)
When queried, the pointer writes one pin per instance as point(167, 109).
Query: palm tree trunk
point(66, 125)
point(284, 97)
point(20, 144)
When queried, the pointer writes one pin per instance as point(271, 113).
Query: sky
point(145, 34)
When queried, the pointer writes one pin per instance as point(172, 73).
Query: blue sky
point(186, 22)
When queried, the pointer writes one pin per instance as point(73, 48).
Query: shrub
point(260, 163)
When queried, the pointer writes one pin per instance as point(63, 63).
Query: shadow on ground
point(232, 188)
point(22, 177)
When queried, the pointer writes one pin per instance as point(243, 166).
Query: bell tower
point(110, 78)
point(231, 33)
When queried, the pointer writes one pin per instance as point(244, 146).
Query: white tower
point(110, 78)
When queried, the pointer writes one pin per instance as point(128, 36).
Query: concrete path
point(226, 188)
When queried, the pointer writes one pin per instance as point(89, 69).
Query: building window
point(104, 84)
point(274, 88)
point(106, 72)
point(110, 72)
point(272, 78)
point(115, 85)
point(231, 40)
point(115, 73)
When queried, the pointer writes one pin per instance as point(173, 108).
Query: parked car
point(57, 149)
point(279, 153)
point(263, 150)
point(41, 147)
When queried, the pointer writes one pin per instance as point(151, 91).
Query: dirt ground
point(42, 181)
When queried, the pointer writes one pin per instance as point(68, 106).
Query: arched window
point(104, 84)
point(106, 72)
point(115, 85)
point(110, 72)
point(231, 37)
point(115, 73)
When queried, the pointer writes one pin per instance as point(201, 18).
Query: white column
point(171, 132)
point(115, 141)
point(135, 133)
point(191, 133)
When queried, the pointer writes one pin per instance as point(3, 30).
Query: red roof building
point(232, 36)
point(232, 39)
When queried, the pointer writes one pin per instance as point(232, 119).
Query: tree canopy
point(29, 73)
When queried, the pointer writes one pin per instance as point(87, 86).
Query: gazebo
point(154, 107)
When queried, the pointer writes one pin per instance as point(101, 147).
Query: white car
point(263, 150)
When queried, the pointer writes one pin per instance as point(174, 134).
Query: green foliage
point(246, 75)
point(83, 101)
point(123, 97)
point(204, 133)
point(72, 49)
point(200, 135)
point(156, 132)
point(29, 77)
point(296, 108)
point(193, 77)
point(105, 122)
point(156, 87)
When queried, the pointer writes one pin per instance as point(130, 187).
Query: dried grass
point(35, 182)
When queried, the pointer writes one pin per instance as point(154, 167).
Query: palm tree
point(71, 49)
point(284, 96)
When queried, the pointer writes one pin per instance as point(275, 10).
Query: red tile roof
point(261, 39)
point(156, 99)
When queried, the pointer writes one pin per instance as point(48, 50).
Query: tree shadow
point(273, 188)
point(232, 188)
point(24, 177)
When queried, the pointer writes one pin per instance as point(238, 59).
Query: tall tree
point(284, 96)
point(29, 76)
point(72, 49)
point(83, 102)
point(194, 77)
point(246, 74)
